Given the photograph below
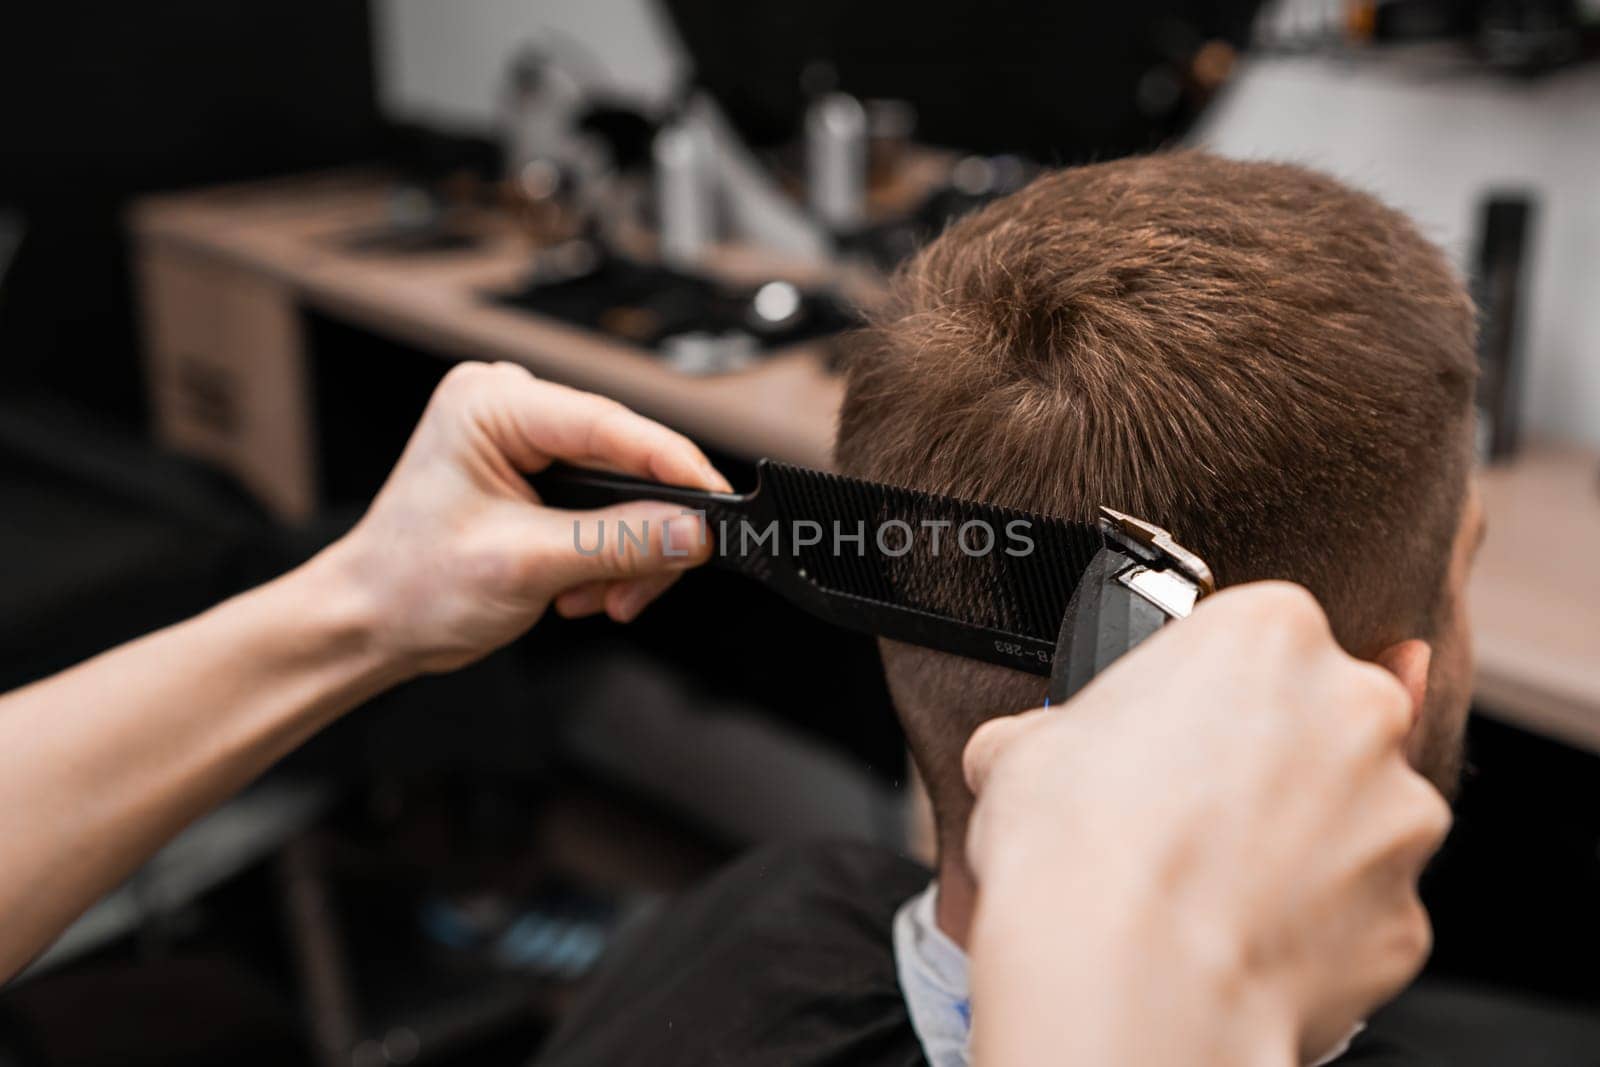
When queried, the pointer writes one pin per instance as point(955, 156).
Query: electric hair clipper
point(1137, 583)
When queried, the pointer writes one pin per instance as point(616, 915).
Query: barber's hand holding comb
point(461, 562)
point(101, 764)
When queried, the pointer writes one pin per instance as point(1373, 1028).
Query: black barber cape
point(785, 959)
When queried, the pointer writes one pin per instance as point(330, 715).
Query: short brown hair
point(1270, 364)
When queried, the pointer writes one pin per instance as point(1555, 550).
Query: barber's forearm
point(456, 557)
point(101, 764)
point(1068, 969)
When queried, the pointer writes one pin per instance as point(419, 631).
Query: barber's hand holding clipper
point(1209, 856)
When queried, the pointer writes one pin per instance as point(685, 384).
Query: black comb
point(897, 563)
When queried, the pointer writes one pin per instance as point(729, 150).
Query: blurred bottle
point(686, 203)
point(539, 105)
point(890, 127)
point(836, 161)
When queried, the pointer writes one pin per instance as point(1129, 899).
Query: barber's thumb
point(634, 540)
point(990, 740)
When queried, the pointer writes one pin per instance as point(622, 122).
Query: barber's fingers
point(532, 422)
point(1409, 945)
point(1395, 935)
point(1271, 608)
point(1420, 818)
point(571, 550)
point(583, 600)
point(625, 600)
point(990, 740)
point(1378, 709)
point(1434, 819)
point(622, 600)
point(1384, 944)
point(1397, 823)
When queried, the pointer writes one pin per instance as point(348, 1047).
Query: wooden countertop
point(290, 230)
point(1535, 593)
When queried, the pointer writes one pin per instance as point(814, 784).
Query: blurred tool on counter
point(539, 109)
point(686, 195)
point(573, 156)
point(550, 169)
point(891, 125)
point(441, 182)
point(967, 183)
point(589, 198)
point(419, 220)
point(1524, 37)
point(863, 196)
point(876, 193)
point(698, 324)
point(836, 161)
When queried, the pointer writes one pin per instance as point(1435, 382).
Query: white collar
point(933, 980)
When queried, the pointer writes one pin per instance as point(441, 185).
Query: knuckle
point(464, 376)
point(1301, 617)
point(979, 754)
point(1292, 600)
point(464, 385)
point(1419, 819)
point(1432, 813)
point(637, 543)
point(1280, 613)
point(1414, 938)
point(615, 563)
point(613, 413)
point(1287, 603)
point(511, 372)
point(1444, 818)
point(606, 418)
point(1395, 948)
point(503, 379)
point(1017, 741)
point(1382, 701)
point(681, 442)
point(987, 747)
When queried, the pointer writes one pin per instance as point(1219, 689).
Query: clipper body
point(1141, 580)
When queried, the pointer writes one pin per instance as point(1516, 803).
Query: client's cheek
point(1435, 746)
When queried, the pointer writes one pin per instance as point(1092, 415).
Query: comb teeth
point(1009, 587)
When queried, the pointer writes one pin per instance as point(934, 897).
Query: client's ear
point(1408, 661)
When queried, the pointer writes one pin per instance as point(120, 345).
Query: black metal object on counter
point(655, 306)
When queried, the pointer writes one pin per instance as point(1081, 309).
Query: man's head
point(1271, 365)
